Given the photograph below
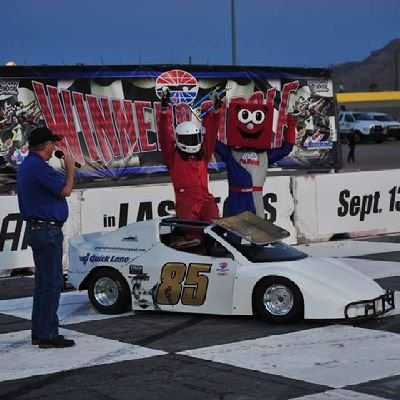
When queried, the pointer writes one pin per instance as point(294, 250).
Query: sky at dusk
point(296, 33)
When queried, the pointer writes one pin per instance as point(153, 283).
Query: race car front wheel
point(278, 300)
point(109, 292)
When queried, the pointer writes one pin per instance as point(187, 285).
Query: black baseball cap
point(42, 135)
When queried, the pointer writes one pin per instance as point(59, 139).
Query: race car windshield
point(272, 252)
point(189, 140)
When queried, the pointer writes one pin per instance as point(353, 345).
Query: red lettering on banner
point(282, 116)
point(123, 115)
point(99, 110)
point(271, 93)
point(145, 125)
point(110, 128)
point(85, 126)
point(157, 110)
point(257, 98)
point(59, 118)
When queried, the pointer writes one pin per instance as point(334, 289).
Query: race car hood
point(330, 285)
point(342, 278)
point(327, 284)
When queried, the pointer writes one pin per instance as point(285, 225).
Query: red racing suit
point(189, 172)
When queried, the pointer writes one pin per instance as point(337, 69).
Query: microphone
point(59, 154)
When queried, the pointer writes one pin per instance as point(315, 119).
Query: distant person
point(41, 197)
point(352, 147)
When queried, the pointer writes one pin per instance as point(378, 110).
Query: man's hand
point(69, 163)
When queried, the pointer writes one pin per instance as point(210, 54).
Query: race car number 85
point(187, 284)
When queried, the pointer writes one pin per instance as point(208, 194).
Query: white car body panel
point(327, 285)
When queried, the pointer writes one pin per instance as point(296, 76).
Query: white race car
point(233, 266)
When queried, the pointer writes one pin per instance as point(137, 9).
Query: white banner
point(354, 202)
point(358, 203)
point(110, 208)
point(102, 209)
point(14, 252)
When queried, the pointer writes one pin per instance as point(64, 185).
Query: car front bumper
point(372, 308)
point(393, 132)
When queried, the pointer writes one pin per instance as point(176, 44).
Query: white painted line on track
point(374, 269)
point(74, 308)
point(339, 394)
point(335, 355)
point(347, 248)
point(89, 350)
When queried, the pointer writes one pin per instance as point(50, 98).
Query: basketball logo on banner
point(182, 85)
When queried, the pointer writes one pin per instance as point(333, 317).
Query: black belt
point(45, 222)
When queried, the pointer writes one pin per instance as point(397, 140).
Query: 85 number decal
point(186, 284)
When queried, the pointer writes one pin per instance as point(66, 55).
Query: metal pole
point(396, 70)
point(233, 26)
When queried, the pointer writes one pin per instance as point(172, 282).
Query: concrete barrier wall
point(312, 208)
point(357, 203)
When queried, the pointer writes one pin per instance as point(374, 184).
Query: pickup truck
point(390, 125)
point(363, 125)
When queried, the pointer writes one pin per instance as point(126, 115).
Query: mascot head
point(249, 125)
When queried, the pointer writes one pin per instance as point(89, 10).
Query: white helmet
point(188, 137)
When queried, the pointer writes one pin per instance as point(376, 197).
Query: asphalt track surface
point(373, 156)
point(153, 355)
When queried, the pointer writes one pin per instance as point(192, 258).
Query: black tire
point(278, 300)
point(109, 292)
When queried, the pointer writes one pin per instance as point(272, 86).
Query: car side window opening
point(363, 117)
point(349, 118)
point(204, 244)
point(383, 117)
point(173, 236)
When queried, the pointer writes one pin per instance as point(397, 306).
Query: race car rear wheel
point(278, 300)
point(109, 292)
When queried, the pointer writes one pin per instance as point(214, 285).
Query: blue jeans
point(46, 242)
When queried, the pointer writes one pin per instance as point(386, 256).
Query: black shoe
point(35, 339)
point(56, 343)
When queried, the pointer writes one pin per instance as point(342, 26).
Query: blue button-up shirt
point(38, 188)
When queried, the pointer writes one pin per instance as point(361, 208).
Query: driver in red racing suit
point(186, 154)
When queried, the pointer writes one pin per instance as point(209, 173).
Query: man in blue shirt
point(42, 193)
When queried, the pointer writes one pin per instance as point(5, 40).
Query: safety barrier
point(312, 208)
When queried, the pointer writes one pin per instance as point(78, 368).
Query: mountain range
point(379, 71)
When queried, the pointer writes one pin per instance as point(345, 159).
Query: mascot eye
point(258, 117)
point(244, 116)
